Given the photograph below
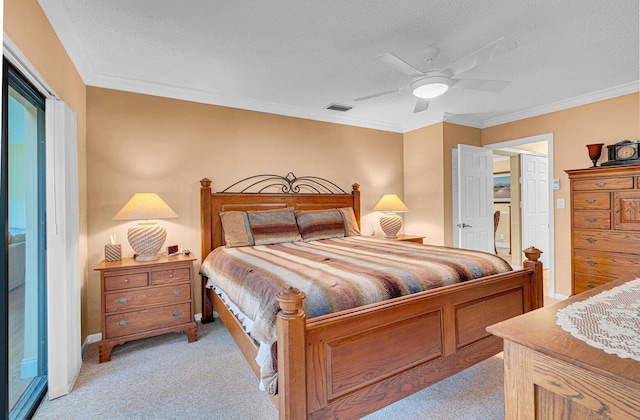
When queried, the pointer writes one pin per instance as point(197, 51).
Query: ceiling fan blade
point(482, 55)
point(421, 105)
point(483, 85)
point(375, 95)
point(399, 64)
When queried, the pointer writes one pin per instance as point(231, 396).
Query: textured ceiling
point(296, 57)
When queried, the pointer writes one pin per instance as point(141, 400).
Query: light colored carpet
point(166, 378)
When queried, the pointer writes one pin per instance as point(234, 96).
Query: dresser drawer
point(582, 283)
point(612, 265)
point(142, 298)
point(592, 219)
point(592, 201)
point(626, 242)
point(124, 280)
point(119, 325)
point(622, 183)
point(173, 275)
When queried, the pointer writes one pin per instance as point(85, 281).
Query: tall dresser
point(605, 225)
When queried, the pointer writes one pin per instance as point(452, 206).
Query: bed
point(340, 365)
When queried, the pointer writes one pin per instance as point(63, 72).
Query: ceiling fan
point(430, 84)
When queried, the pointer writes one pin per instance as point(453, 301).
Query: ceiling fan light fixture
point(430, 87)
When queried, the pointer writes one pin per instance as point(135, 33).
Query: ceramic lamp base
point(391, 224)
point(147, 239)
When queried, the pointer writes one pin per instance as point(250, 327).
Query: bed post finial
point(533, 255)
point(292, 324)
point(205, 182)
point(355, 187)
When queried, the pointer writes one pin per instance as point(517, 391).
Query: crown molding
point(588, 98)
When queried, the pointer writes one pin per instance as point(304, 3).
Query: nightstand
point(407, 238)
point(144, 299)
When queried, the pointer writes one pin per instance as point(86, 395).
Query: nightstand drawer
point(119, 325)
point(170, 276)
point(125, 281)
point(142, 298)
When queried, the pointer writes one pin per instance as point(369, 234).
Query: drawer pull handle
point(176, 314)
point(591, 219)
point(170, 275)
point(591, 240)
point(591, 262)
point(122, 301)
point(176, 292)
point(123, 323)
point(590, 286)
point(590, 200)
point(126, 280)
point(601, 184)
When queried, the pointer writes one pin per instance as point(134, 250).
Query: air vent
point(338, 107)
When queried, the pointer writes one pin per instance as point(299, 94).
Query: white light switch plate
point(560, 203)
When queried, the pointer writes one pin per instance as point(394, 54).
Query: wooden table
point(549, 374)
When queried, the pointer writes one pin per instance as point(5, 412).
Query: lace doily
point(609, 320)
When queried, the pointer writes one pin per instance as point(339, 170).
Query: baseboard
point(91, 338)
point(198, 317)
point(560, 297)
point(506, 245)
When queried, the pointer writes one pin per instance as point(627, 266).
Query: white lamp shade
point(147, 237)
point(145, 206)
point(390, 202)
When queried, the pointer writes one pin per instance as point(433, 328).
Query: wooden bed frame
point(354, 362)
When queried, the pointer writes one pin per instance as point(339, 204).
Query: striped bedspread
point(337, 274)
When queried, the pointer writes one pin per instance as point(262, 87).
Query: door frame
point(548, 137)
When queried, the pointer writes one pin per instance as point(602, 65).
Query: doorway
point(520, 222)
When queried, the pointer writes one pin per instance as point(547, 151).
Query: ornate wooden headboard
point(264, 192)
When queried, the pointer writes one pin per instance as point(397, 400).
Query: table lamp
point(390, 222)
point(148, 236)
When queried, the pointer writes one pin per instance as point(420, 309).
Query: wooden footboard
point(354, 362)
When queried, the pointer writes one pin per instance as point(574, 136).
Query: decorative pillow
point(350, 220)
point(321, 224)
point(273, 226)
point(237, 231)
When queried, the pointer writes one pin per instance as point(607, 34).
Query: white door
point(535, 203)
point(474, 221)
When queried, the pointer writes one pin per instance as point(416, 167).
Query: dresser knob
point(601, 184)
point(123, 323)
point(122, 301)
point(171, 275)
point(590, 200)
point(176, 314)
point(591, 219)
point(590, 286)
point(176, 292)
point(591, 240)
point(126, 280)
point(591, 262)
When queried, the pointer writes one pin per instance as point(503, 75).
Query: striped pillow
point(321, 224)
point(273, 226)
point(350, 219)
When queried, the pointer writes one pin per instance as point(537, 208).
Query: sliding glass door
point(24, 338)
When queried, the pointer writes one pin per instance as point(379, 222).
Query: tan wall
point(423, 180)
point(140, 143)
point(26, 25)
point(606, 122)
